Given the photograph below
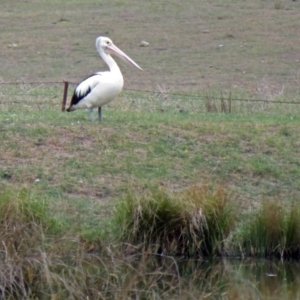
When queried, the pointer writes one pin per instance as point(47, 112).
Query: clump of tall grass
point(25, 220)
point(272, 231)
point(193, 223)
point(219, 105)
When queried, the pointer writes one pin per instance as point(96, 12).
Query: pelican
point(101, 87)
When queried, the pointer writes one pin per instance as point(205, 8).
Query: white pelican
point(101, 87)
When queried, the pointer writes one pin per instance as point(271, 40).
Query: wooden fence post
point(66, 86)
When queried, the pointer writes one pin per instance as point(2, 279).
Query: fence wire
point(49, 96)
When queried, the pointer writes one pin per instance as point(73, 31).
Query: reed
point(271, 231)
point(192, 223)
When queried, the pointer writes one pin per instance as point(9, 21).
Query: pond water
point(263, 279)
point(221, 279)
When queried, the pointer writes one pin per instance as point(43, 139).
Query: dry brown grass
point(193, 47)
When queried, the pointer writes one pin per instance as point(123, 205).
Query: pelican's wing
point(84, 88)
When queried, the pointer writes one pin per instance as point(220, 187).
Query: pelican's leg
point(91, 114)
point(100, 113)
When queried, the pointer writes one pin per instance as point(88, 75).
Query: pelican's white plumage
point(101, 87)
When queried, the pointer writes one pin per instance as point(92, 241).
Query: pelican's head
point(106, 45)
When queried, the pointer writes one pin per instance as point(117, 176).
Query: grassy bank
point(93, 202)
point(140, 249)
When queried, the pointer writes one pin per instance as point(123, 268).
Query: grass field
point(257, 159)
point(179, 123)
point(194, 46)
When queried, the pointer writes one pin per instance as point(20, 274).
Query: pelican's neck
point(113, 66)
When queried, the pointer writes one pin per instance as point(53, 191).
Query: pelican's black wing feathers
point(84, 88)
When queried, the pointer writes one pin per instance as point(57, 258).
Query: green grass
point(66, 152)
point(194, 223)
point(272, 231)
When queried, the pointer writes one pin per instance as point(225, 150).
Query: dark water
point(159, 277)
point(222, 278)
point(245, 279)
point(267, 279)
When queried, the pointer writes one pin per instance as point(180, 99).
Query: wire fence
point(53, 95)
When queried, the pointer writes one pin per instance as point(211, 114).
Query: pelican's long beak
point(113, 49)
